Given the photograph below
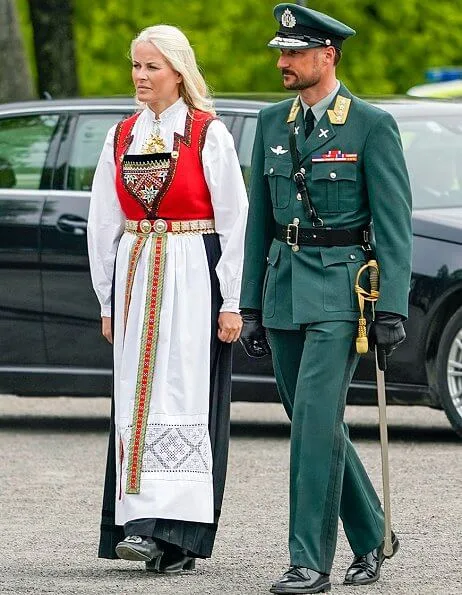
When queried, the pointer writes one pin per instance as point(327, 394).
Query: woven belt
point(293, 235)
point(158, 226)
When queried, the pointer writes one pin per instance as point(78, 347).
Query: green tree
point(15, 76)
point(396, 41)
point(52, 25)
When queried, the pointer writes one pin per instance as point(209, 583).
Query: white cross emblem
point(279, 150)
point(323, 133)
point(297, 128)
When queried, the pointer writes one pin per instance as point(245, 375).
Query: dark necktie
point(309, 122)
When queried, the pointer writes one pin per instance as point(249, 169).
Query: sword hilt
point(363, 295)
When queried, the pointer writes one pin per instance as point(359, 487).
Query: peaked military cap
point(301, 28)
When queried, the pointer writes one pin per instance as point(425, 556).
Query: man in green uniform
point(307, 236)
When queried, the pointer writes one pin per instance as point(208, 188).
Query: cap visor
point(289, 43)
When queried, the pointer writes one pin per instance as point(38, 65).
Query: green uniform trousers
point(313, 369)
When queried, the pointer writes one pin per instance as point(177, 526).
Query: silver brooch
point(288, 19)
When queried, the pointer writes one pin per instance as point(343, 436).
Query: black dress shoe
point(366, 568)
point(141, 549)
point(171, 562)
point(299, 579)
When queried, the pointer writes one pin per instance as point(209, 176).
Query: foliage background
point(396, 41)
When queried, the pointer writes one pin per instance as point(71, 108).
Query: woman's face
point(156, 83)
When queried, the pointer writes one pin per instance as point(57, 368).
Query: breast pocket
point(269, 286)
point(278, 171)
point(336, 185)
point(341, 264)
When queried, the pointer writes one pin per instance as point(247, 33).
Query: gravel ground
point(53, 454)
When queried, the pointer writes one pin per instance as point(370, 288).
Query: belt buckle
point(160, 226)
point(145, 226)
point(290, 228)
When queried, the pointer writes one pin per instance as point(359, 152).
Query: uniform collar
point(168, 114)
point(319, 109)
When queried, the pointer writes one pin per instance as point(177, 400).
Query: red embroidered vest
point(184, 193)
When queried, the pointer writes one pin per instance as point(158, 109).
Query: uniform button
point(333, 175)
point(271, 171)
point(299, 196)
point(295, 248)
point(353, 257)
point(296, 221)
point(302, 169)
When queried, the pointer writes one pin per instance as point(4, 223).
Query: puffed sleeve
point(105, 225)
point(229, 199)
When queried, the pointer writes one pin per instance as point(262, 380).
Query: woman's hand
point(106, 328)
point(229, 327)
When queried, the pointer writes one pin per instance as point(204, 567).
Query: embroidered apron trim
point(135, 253)
point(173, 448)
point(146, 362)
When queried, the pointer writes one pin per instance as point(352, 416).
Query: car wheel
point(449, 371)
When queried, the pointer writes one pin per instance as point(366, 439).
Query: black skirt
point(196, 539)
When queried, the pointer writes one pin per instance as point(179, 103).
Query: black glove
point(386, 333)
point(253, 334)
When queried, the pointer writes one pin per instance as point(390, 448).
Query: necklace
point(154, 143)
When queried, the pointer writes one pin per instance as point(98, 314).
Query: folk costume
point(352, 163)
point(165, 238)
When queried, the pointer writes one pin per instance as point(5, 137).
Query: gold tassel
point(372, 296)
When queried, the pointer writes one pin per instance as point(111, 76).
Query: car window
point(228, 120)
point(88, 141)
point(246, 145)
point(433, 150)
point(24, 143)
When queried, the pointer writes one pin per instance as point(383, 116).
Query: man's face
point(301, 69)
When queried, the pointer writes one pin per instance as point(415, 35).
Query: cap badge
point(288, 19)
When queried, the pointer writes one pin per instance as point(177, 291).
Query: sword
point(380, 367)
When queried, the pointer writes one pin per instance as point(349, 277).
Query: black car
point(51, 342)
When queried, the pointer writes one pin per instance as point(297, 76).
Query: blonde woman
point(165, 235)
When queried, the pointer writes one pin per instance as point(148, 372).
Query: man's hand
point(106, 328)
point(253, 335)
point(386, 333)
point(229, 327)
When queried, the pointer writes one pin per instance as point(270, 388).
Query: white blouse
point(227, 190)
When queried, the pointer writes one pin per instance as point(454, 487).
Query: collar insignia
point(288, 19)
point(293, 110)
point(279, 150)
point(297, 128)
point(323, 133)
point(340, 112)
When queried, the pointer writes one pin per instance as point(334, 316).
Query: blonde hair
point(176, 49)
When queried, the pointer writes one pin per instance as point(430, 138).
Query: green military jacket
point(316, 284)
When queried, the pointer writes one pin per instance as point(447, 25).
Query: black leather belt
point(293, 235)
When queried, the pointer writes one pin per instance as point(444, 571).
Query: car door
point(27, 151)
point(253, 379)
point(72, 321)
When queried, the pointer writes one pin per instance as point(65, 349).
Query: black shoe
point(171, 563)
point(366, 568)
point(301, 580)
point(141, 549)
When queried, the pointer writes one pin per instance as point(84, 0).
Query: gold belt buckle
point(145, 226)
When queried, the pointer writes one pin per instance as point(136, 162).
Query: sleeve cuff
point(106, 312)
point(230, 305)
